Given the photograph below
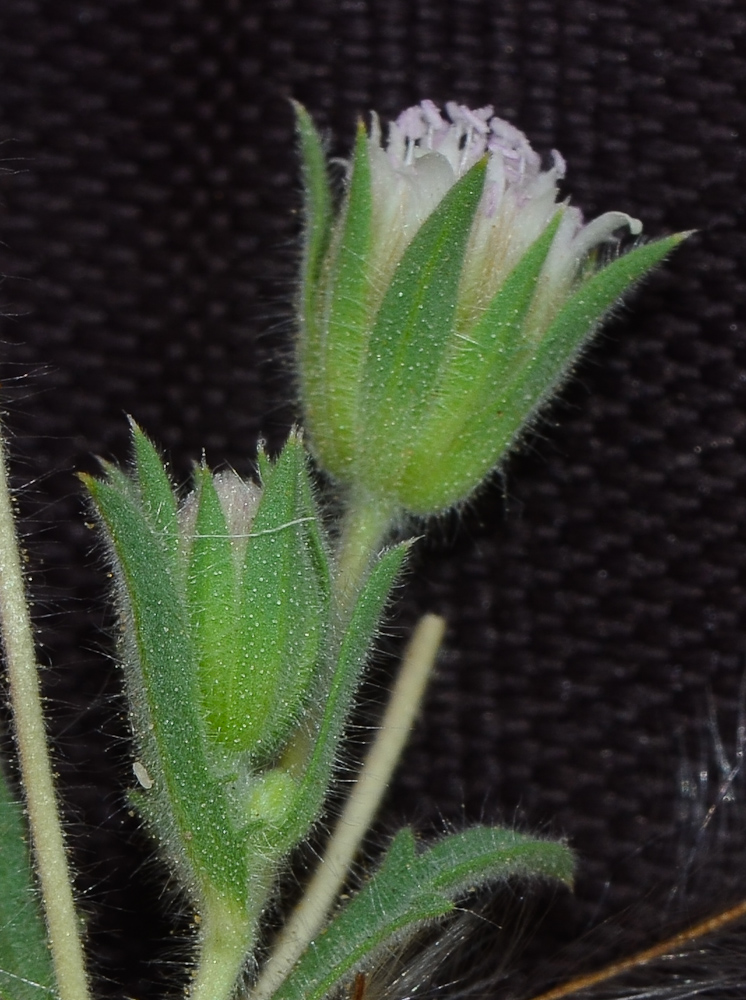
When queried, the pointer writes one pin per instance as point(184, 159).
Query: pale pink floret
point(426, 153)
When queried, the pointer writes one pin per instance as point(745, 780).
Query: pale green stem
point(226, 939)
point(365, 525)
point(360, 809)
point(36, 771)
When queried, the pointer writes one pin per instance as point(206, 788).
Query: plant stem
point(44, 822)
point(364, 527)
point(227, 934)
point(360, 808)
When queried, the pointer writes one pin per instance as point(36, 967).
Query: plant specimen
point(444, 297)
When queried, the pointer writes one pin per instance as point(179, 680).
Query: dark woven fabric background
point(595, 593)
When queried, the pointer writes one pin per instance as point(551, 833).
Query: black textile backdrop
point(594, 594)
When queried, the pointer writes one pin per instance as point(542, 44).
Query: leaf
point(495, 337)
point(410, 889)
point(186, 803)
point(590, 303)
point(26, 971)
point(546, 367)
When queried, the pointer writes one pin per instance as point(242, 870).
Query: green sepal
point(331, 364)
point(484, 353)
point(317, 208)
point(494, 340)
point(186, 803)
point(317, 747)
point(26, 971)
point(471, 379)
point(282, 613)
point(597, 294)
point(264, 464)
point(412, 888)
point(213, 598)
point(484, 442)
point(159, 502)
point(413, 331)
point(317, 223)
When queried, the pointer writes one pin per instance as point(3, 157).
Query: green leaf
point(331, 373)
point(414, 328)
point(549, 364)
point(410, 889)
point(486, 854)
point(26, 971)
point(186, 803)
point(324, 734)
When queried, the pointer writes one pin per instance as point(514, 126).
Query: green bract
point(444, 302)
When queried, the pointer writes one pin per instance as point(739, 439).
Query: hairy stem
point(360, 808)
point(44, 822)
point(226, 939)
point(364, 528)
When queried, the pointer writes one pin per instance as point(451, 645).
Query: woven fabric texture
point(594, 591)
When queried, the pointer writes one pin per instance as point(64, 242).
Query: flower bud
point(444, 302)
point(239, 683)
point(223, 602)
point(257, 593)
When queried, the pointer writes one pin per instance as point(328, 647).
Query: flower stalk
point(365, 526)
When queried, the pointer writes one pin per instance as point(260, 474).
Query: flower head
point(444, 301)
point(426, 154)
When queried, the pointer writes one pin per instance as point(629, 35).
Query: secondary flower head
point(444, 301)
